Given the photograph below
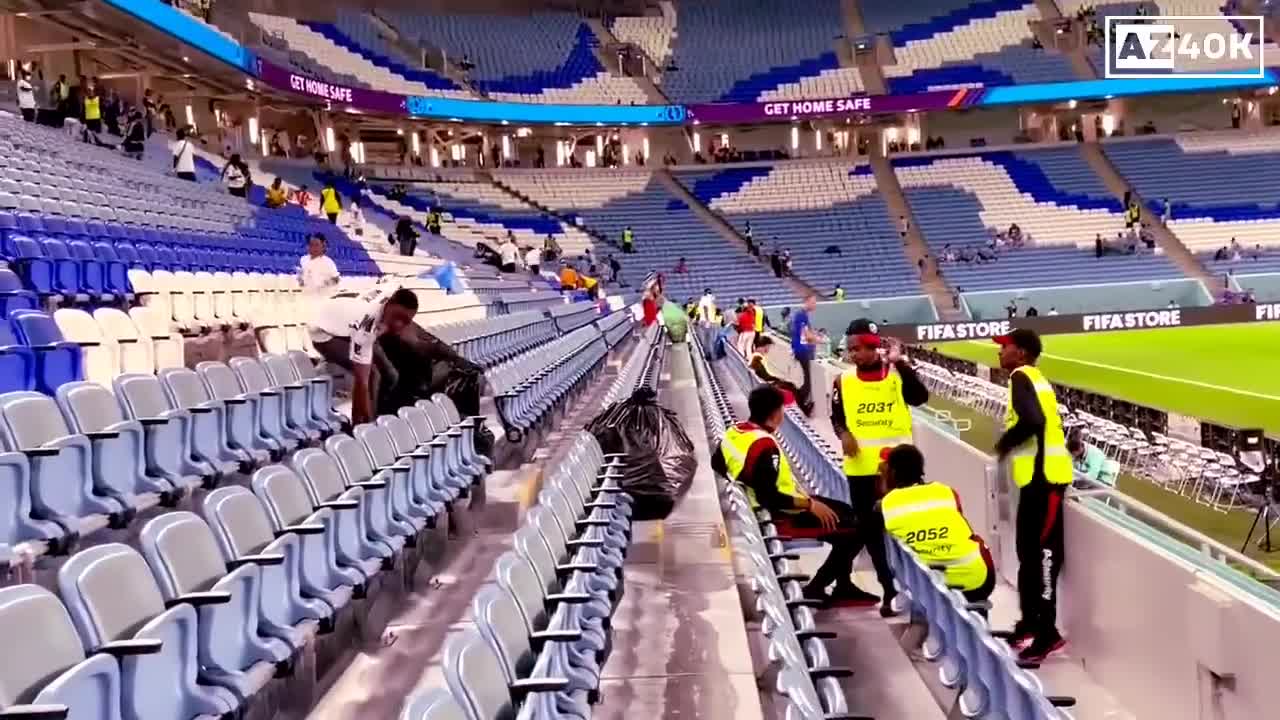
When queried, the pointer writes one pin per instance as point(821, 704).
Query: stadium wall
point(836, 316)
point(990, 304)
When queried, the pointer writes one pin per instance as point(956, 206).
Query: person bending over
point(759, 364)
point(749, 455)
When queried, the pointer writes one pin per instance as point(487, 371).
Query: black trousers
point(1040, 544)
point(804, 398)
point(333, 218)
point(838, 567)
point(863, 498)
point(383, 376)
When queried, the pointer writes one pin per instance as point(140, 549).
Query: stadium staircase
point(1050, 12)
point(938, 290)
point(717, 223)
point(602, 241)
point(609, 60)
point(868, 64)
point(1169, 243)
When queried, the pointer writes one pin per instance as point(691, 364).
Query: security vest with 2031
point(737, 443)
point(927, 518)
point(877, 417)
point(1022, 459)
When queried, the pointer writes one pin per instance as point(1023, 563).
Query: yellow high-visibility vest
point(627, 236)
point(92, 108)
point(737, 443)
point(1022, 460)
point(877, 417)
point(329, 201)
point(839, 294)
point(759, 319)
point(927, 518)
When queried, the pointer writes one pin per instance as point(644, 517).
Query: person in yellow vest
point(330, 203)
point(92, 110)
point(1034, 448)
point(838, 294)
point(749, 455)
point(927, 517)
point(760, 318)
point(628, 240)
point(870, 411)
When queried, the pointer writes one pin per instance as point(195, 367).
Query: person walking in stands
point(926, 517)
point(533, 259)
point(871, 411)
point(747, 328)
point(838, 293)
point(568, 277)
point(135, 135)
point(330, 202)
point(628, 240)
point(749, 455)
point(92, 109)
point(433, 221)
point(235, 175)
point(1035, 449)
point(184, 156)
point(317, 273)
point(26, 97)
point(406, 236)
point(615, 270)
point(803, 345)
point(508, 252)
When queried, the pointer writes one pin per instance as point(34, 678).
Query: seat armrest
point(103, 435)
point(419, 454)
point(393, 468)
point(46, 711)
point(340, 504)
point(200, 410)
point(41, 452)
point(569, 598)
point(269, 393)
point(556, 636)
point(263, 559)
point(598, 505)
point(818, 634)
point(294, 386)
point(783, 556)
point(452, 433)
point(579, 543)
point(307, 529)
point(121, 648)
point(593, 523)
point(803, 602)
point(796, 577)
point(317, 380)
point(533, 685)
point(236, 401)
point(199, 599)
point(833, 671)
point(152, 421)
point(575, 567)
point(370, 484)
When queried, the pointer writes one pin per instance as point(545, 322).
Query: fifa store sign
point(1189, 46)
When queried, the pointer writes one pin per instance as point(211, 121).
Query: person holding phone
point(871, 412)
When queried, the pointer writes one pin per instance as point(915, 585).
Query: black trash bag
point(463, 385)
point(660, 462)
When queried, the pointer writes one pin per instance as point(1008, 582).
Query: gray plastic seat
point(172, 452)
point(356, 536)
point(395, 514)
point(475, 676)
point(221, 431)
point(434, 704)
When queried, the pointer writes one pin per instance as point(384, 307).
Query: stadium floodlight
point(253, 129)
point(413, 139)
point(644, 147)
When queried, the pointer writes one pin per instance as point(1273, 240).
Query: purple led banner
point(787, 110)
point(353, 97)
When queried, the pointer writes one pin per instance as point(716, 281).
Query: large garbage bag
point(676, 320)
point(659, 455)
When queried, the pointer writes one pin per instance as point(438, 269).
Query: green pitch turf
point(1229, 374)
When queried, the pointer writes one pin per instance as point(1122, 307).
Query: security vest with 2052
point(737, 443)
point(1022, 459)
point(927, 518)
point(877, 417)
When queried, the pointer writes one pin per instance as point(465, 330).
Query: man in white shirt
point(508, 251)
point(316, 271)
point(533, 259)
point(26, 97)
point(707, 307)
point(184, 156)
point(345, 330)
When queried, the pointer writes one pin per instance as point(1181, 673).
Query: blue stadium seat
point(171, 450)
point(13, 296)
point(56, 361)
point(17, 362)
point(68, 274)
point(37, 272)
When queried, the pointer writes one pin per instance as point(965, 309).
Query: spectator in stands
point(1032, 311)
point(838, 293)
point(1053, 311)
point(749, 455)
point(406, 236)
point(759, 364)
point(775, 262)
point(184, 156)
point(91, 104)
point(650, 304)
point(540, 161)
point(276, 195)
point(1091, 463)
point(927, 517)
point(1220, 254)
point(628, 240)
point(302, 197)
point(26, 97)
point(1256, 252)
point(568, 277)
point(235, 176)
point(747, 328)
point(1011, 310)
point(1167, 215)
point(550, 248)
point(682, 267)
point(135, 135)
point(330, 202)
point(615, 269)
point(59, 94)
point(1097, 246)
point(786, 262)
point(904, 225)
point(317, 273)
point(803, 343)
point(508, 252)
point(707, 307)
point(533, 260)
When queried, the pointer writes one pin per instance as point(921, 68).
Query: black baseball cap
point(865, 331)
point(1024, 339)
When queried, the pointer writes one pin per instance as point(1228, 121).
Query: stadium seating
point(557, 62)
point(808, 207)
point(736, 51)
point(652, 33)
point(943, 44)
point(666, 229)
point(962, 200)
point(1200, 175)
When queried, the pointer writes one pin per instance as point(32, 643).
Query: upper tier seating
point(653, 33)
point(807, 207)
point(357, 32)
point(556, 62)
point(738, 51)
point(1220, 186)
point(978, 44)
point(333, 50)
point(665, 230)
point(1051, 194)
